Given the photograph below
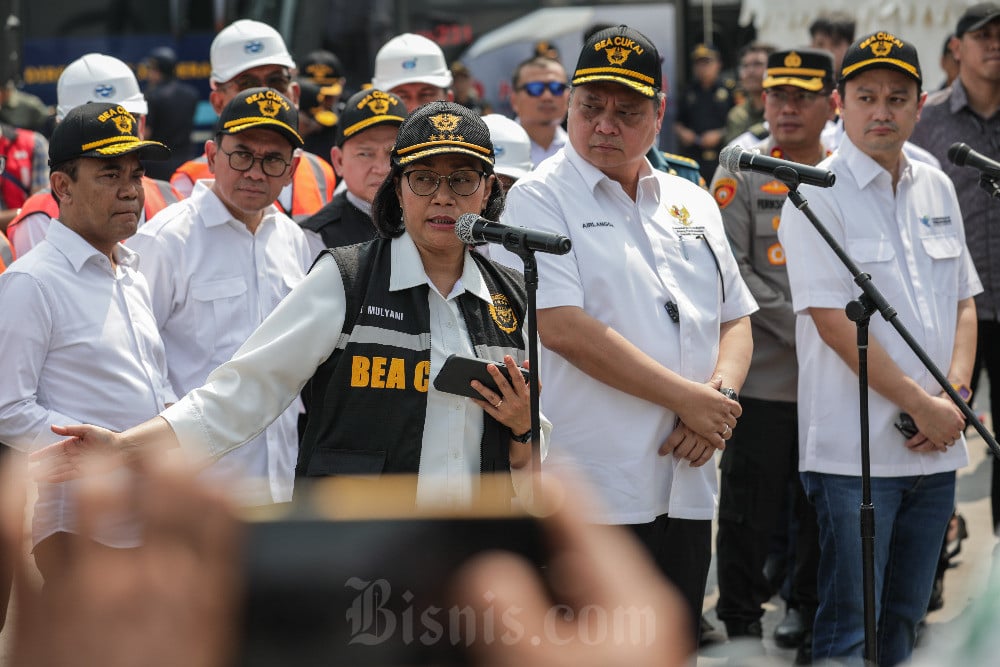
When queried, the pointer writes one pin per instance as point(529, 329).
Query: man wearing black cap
point(220, 261)
point(76, 327)
point(762, 459)
point(968, 112)
point(365, 137)
point(899, 219)
point(646, 318)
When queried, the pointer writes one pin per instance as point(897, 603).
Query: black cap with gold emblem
point(443, 127)
point(810, 69)
point(324, 69)
point(369, 108)
point(263, 108)
point(100, 130)
point(881, 49)
point(622, 55)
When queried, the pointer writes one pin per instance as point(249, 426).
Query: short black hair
point(533, 61)
point(838, 25)
point(387, 212)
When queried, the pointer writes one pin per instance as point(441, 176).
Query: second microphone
point(472, 228)
point(736, 159)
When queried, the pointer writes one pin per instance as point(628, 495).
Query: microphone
point(963, 156)
point(472, 228)
point(734, 158)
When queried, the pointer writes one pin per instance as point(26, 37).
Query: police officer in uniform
point(701, 116)
point(365, 136)
point(763, 457)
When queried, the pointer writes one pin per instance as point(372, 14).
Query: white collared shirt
point(212, 283)
point(79, 345)
point(277, 360)
point(539, 152)
point(912, 243)
point(629, 259)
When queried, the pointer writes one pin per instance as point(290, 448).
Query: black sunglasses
point(537, 88)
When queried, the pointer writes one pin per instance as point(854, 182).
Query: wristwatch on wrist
point(524, 437)
point(963, 392)
point(729, 393)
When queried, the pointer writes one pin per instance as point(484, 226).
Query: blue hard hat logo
point(254, 46)
point(105, 90)
point(409, 64)
point(499, 150)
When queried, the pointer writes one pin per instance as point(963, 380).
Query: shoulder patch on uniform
point(774, 188)
point(682, 159)
point(724, 190)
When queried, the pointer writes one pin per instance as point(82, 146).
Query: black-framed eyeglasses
point(424, 182)
point(271, 165)
point(537, 88)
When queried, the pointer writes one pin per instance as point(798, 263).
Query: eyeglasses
point(798, 98)
point(280, 81)
point(271, 165)
point(537, 88)
point(424, 182)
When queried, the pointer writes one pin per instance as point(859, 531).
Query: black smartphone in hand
point(457, 372)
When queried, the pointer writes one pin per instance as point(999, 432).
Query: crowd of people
point(277, 304)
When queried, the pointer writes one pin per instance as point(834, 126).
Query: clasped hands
point(705, 421)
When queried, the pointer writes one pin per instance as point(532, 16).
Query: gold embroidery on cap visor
point(895, 62)
point(241, 124)
point(809, 79)
point(429, 148)
point(116, 145)
point(368, 122)
point(618, 75)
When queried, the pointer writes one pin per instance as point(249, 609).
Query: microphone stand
point(531, 286)
point(990, 184)
point(860, 311)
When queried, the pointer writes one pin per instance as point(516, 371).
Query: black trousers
point(988, 359)
point(759, 465)
point(682, 549)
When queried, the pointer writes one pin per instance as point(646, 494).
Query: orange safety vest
point(6, 253)
point(159, 195)
point(18, 146)
point(312, 188)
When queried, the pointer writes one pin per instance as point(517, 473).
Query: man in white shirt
point(220, 261)
point(645, 320)
point(900, 221)
point(77, 331)
point(540, 100)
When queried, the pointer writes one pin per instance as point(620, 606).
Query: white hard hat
point(246, 44)
point(410, 58)
point(511, 145)
point(96, 77)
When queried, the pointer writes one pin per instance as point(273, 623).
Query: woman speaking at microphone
point(371, 326)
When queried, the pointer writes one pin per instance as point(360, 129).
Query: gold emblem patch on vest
point(503, 314)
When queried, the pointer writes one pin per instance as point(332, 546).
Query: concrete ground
point(962, 582)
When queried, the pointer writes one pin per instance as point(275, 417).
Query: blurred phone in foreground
point(351, 574)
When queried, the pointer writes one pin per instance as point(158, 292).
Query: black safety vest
point(368, 400)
